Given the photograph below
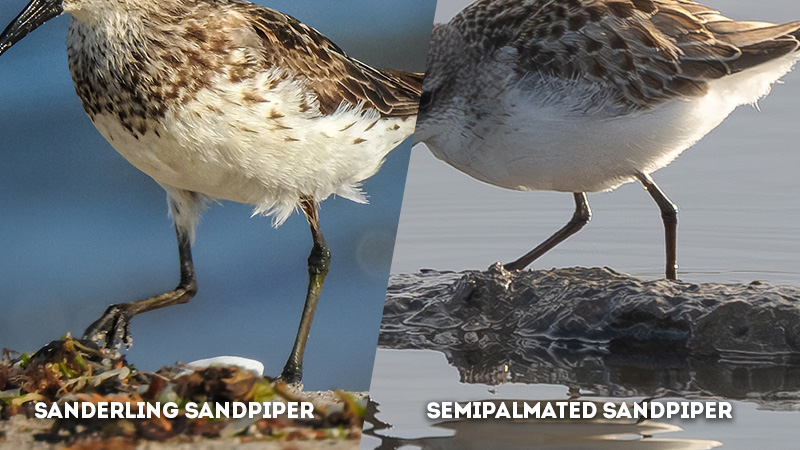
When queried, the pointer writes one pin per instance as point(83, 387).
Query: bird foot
point(514, 266)
point(113, 328)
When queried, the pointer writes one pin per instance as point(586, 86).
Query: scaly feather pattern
point(235, 101)
point(644, 51)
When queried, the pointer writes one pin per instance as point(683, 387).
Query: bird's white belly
point(534, 150)
point(540, 150)
point(165, 159)
point(532, 147)
point(219, 146)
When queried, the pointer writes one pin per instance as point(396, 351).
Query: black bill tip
point(35, 14)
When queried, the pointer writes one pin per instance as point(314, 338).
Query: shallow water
point(80, 228)
point(402, 396)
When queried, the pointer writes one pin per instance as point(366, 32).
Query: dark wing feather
point(644, 51)
point(332, 75)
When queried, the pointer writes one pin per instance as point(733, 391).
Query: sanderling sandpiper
point(586, 95)
point(224, 99)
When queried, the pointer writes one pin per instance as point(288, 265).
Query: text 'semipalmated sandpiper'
point(586, 95)
point(223, 99)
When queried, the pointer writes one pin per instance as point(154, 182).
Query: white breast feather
point(268, 153)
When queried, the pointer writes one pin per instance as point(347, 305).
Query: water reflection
point(592, 372)
point(765, 400)
point(502, 434)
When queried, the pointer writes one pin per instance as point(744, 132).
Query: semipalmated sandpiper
point(586, 95)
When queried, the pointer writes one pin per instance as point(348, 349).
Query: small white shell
point(248, 364)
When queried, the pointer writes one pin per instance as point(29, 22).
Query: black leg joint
point(669, 214)
point(190, 289)
point(582, 215)
point(319, 260)
point(581, 218)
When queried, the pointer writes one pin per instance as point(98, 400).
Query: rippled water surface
point(402, 396)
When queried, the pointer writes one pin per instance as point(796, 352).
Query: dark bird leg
point(318, 264)
point(669, 214)
point(114, 325)
point(580, 218)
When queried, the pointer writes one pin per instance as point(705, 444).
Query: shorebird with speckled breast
point(586, 95)
point(224, 99)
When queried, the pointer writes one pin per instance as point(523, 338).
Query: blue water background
point(80, 228)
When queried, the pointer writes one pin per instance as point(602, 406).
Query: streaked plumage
point(224, 99)
point(585, 95)
point(236, 101)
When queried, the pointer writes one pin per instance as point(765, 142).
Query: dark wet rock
point(603, 331)
point(596, 306)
